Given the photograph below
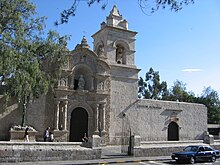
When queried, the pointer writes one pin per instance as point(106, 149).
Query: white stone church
point(98, 95)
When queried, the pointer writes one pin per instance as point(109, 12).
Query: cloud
point(191, 70)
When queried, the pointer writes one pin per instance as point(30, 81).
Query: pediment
point(82, 56)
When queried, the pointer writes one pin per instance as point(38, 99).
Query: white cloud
point(191, 70)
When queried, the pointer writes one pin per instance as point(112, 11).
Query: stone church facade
point(97, 95)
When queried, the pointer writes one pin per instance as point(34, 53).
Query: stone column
point(97, 119)
point(65, 116)
point(103, 118)
point(57, 112)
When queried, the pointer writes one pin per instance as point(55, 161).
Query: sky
point(182, 45)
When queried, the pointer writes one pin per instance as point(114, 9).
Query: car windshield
point(191, 148)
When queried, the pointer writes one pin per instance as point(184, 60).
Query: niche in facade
point(82, 78)
point(100, 51)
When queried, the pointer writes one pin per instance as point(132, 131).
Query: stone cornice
point(115, 28)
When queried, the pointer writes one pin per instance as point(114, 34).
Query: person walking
point(26, 135)
point(46, 135)
point(51, 137)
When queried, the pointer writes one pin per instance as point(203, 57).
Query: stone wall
point(150, 119)
point(39, 151)
point(123, 95)
point(9, 117)
point(40, 115)
point(163, 148)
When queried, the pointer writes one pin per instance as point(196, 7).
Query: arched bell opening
point(120, 54)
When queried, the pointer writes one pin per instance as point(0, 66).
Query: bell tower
point(115, 40)
point(114, 43)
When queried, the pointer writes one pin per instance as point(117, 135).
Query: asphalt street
point(169, 162)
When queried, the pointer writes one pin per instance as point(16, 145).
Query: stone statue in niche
point(119, 55)
point(101, 85)
point(63, 82)
point(81, 83)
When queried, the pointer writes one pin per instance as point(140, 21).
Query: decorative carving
point(66, 65)
point(100, 50)
point(83, 58)
point(101, 85)
point(91, 62)
point(63, 82)
point(75, 59)
point(107, 110)
point(100, 69)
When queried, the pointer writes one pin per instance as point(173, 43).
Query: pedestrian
point(26, 135)
point(85, 138)
point(51, 137)
point(46, 135)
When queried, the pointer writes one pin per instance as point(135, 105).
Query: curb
point(100, 162)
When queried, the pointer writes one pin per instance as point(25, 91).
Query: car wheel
point(192, 160)
point(213, 159)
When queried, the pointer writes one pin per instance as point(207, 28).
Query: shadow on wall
point(123, 112)
point(8, 118)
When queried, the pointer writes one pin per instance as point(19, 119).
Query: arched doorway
point(173, 131)
point(78, 124)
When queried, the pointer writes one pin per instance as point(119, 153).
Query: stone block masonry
point(46, 151)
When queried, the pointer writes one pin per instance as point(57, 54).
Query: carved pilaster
point(57, 112)
point(97, 119)
point(107, 109)
point(103, 117)
point(65, 115)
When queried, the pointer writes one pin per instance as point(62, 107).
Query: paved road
point(168, 162)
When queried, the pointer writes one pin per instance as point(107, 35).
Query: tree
point(24, 50)
point(178, 93)
point(210, 98)
point(151, 88)
point(145, 5)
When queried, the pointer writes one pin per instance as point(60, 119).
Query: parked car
point(196, 153)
